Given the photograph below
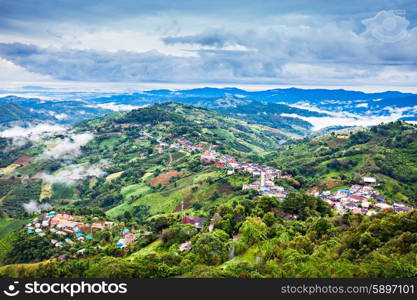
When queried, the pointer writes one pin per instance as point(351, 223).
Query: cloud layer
point(34, 206)
point(22, 135)
point(344, 118)
point(281, 42)
point(68, 147)
point(71, 174)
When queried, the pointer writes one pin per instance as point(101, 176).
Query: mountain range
point(293, 110)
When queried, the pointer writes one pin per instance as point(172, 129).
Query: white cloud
point(116, 107)
point(67, 148)
point(21, 135)
point(362, 105)
point(34, 206)
point(349, 119)
point(71, 174)
point(59, 116)
point(10, 71)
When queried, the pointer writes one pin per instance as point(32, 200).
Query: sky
point(290, 42)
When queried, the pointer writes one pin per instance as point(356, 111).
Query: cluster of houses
point(223, 161)
point(127, 238)
point(66, 227)
point(360, 199)
point(265, 186)
point(179, 144)
point(119, 128)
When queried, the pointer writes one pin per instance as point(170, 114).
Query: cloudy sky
point(294, 42)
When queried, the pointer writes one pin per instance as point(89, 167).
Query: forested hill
point(387, 151)
point(176, 120)
point(13, 113)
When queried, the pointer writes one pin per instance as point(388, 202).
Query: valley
point(213, 185)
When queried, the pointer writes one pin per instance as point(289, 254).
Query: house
point(220, 164)
point(359, 211)
point(350, 205)
point(344, 191)
point(98, 225)
point(400, 209)
point(197, 222)
point(357, 198)
point(288, 216)
point(129, 238)
point(185, 246)
point(51, 214)
point(369, 180)
point(379, 198)
point(69, 241)
point(382, 206)
point(121, 243)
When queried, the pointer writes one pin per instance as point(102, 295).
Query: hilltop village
point(360, 199)
point(64, 228)
point(265, 186)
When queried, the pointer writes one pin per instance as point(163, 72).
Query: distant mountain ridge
point(16, 113)
point(285, 109)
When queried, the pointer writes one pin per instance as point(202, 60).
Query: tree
point(211, 247)
point(253, 230)
point(140, 213)
point(322, 226)
point(178, 233)
point(111, 267)
point(305, 205)
point(29, 248)
point(267, 203)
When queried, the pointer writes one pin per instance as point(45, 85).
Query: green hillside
point(388, 152)
point(143, 171)
point(13, 113)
